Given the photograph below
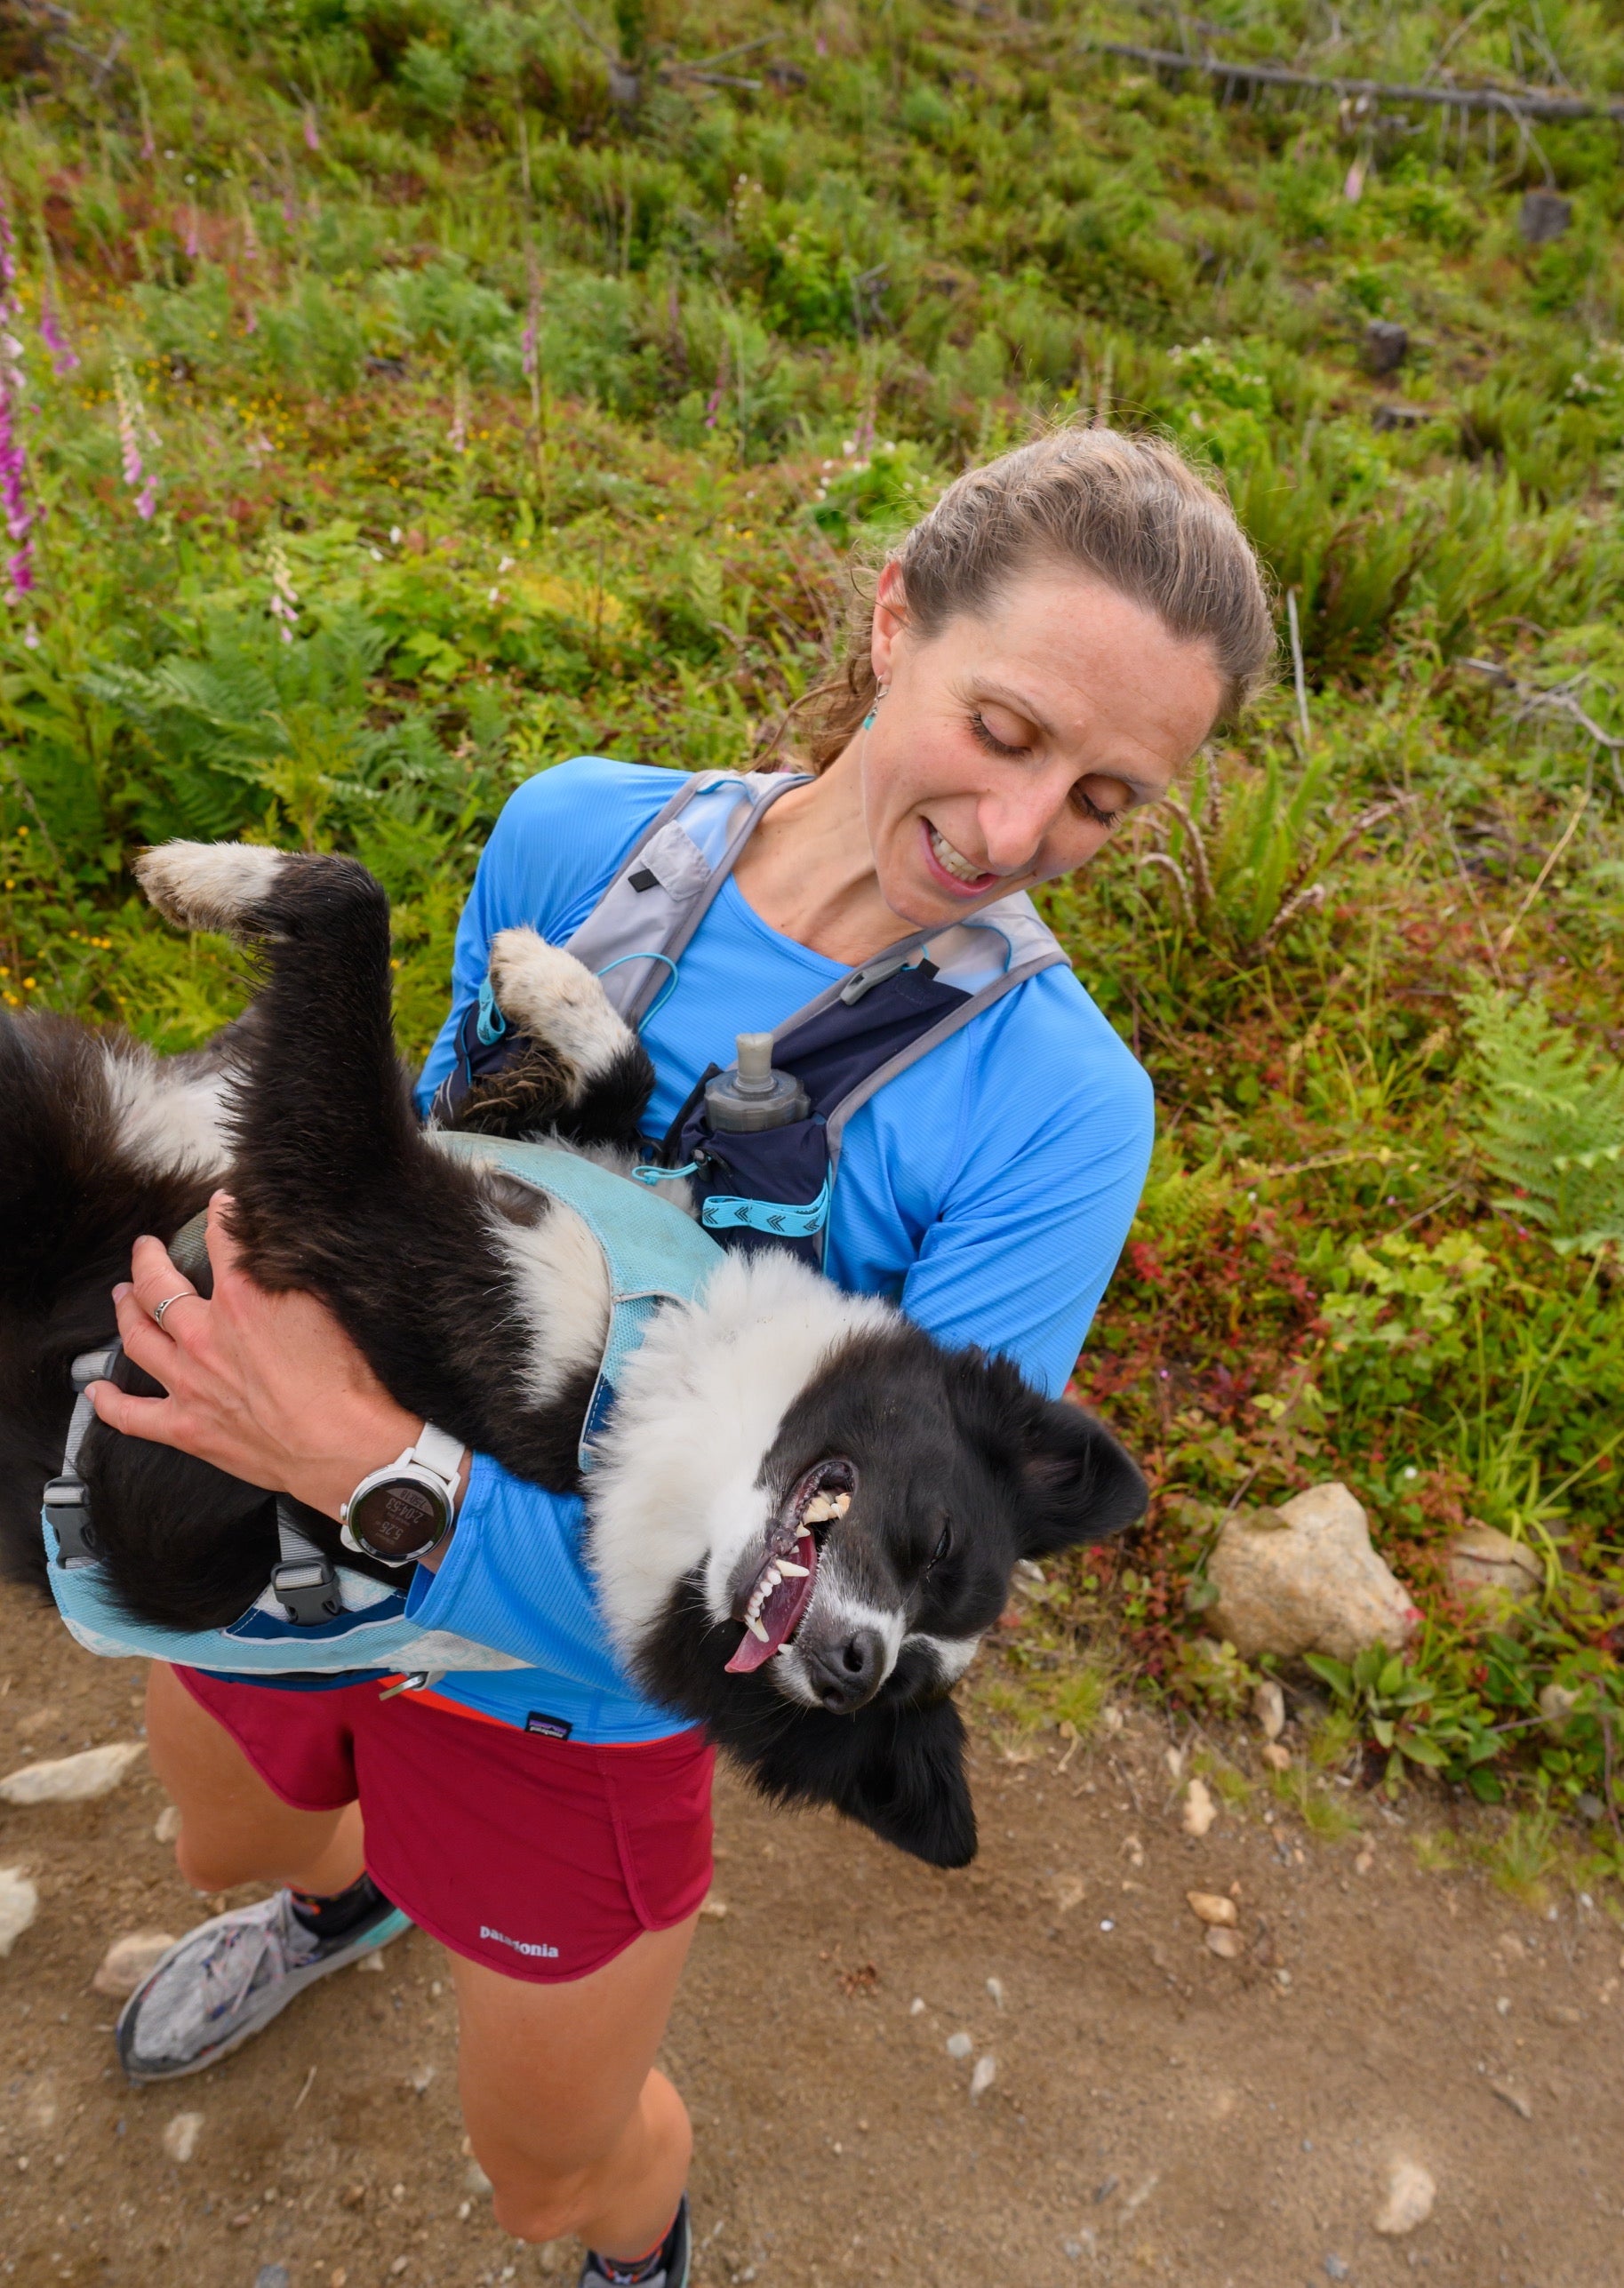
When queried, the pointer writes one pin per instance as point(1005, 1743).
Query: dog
point(805, 1512)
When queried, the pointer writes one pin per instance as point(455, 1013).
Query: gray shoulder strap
point(635, 934)
point(986, 958)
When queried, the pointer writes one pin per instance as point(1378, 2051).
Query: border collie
point(806, 1512)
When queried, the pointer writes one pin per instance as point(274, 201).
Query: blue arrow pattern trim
point(777, 1217)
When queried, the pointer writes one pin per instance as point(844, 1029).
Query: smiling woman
point(966, 1138)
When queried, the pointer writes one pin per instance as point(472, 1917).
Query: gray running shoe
point(217, 1986)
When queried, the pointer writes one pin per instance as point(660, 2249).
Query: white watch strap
point(439, 1452)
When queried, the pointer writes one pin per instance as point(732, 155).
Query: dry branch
point(1522, 103)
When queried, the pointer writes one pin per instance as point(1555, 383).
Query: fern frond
point(1550, 1120)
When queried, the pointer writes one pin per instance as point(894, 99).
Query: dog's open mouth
point(771, 1604)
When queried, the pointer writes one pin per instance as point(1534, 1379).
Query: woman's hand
point(268, 1388)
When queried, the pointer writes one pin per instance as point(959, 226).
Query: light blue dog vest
point(653, 1253)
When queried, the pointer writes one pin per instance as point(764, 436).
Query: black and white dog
point(806, 1513)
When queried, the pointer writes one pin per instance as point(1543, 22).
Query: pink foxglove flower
point(137, 440)
point(14, 504)
point(63, 356)
point(313, 141)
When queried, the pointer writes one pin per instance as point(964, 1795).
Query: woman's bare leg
point(232, 1828)
point(573, 2125)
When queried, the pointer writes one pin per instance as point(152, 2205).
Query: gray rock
point(1386, 347)
point(271, 2275)
point(72, 1779)
point(1304, 1577)
point(1544, 215)
point(1494, 1576)
point(1336, 2268)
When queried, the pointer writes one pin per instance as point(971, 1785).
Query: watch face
point(398, 1518)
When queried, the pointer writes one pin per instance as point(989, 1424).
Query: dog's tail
point(101, 1142)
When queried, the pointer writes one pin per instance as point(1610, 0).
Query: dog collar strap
point(654, 1254)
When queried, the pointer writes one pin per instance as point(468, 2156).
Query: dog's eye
point(944, 1543)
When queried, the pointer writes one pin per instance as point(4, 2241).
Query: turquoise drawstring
point(652, 1175)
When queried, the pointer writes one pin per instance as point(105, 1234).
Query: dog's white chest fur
point(679, 1480)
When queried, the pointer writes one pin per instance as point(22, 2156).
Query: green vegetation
point(414, 392)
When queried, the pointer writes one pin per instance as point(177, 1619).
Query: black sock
point(642, 2267)
point(341, 1912)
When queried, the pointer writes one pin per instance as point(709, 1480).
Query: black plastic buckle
point(307, 1591)
point(66, 1507)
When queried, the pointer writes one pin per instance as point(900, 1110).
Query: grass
point(403, 414)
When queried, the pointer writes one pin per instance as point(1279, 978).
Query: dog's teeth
point(755, 1627)
point(840, 1505)
point(818, 1510)
point(795, 1571)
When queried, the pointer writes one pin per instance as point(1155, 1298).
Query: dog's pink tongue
point(751, 1655)
point(780, 1617)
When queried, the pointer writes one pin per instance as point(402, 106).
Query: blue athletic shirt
point(987, 1191)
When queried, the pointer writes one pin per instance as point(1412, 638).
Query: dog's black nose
point(848, 1670)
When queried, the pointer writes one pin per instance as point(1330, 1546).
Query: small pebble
point(1509, 2095)
point(271, 2275)
point(1277, 1757)
point(1211, 1906)
point(959, 2046)
point(985, 2075)
point(1268, 1706)
point(168, 1825)
point(1336, 2268)
point(1199, 1808)
point(18, 1905)
point(995, 1987)
point(128, 1960)
point(916, 2008)
point(1410, 2195)
point(716, 1908)
point(181, 2135)
point(1229, 1945)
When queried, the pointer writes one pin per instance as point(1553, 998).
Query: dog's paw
point(545, 992)
point(209, 886)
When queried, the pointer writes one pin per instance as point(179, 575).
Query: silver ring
point(186, 1295)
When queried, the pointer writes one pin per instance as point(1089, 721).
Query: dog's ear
point(907, 1782)
point(1077, 1484)
point(897, 1769)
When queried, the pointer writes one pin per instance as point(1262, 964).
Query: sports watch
point(404, 1511)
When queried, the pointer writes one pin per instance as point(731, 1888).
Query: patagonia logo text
point(550, 1727)
point(519, 1946)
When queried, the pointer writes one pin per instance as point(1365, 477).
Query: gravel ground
point(1151, 2112)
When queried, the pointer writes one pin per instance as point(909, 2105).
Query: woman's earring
point(880, 692)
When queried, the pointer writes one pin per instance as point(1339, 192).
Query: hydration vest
point(312, 1618)
point(771, 1189)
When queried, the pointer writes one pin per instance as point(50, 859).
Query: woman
point(1046, 648)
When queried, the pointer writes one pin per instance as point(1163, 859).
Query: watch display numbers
point(395, 1519)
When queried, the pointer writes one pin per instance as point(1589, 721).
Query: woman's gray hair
point(1130, 511)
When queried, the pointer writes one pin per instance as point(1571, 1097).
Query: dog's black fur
point(337, 1191)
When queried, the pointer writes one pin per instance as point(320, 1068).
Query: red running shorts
point(542, 1858)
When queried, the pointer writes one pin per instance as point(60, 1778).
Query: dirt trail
point(1156, 2114)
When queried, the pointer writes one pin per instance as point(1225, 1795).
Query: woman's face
point(1008, 745)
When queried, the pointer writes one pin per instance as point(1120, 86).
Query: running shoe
point(669, 2261)
point(217, 1986)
